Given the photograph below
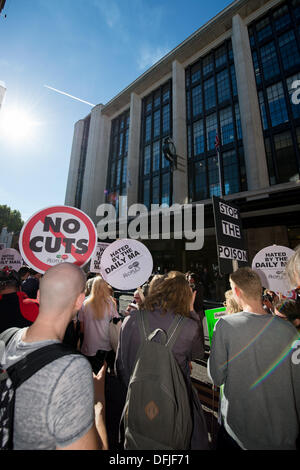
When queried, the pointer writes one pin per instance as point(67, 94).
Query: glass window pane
point(148, 128)
point(200, 181)
point(220, 56)
point(156, 124)
point(198, 137)
point(210, 93)
point(231, 172)
point(146, 195)
point(147, 160)
point(166, 119)
point(165, 197)
point(207, 64)
point(263, 29)
point(155, 190)
point(277, 104)
point(156, 156)
point(238, 121)
point(269, 61)
point(289, 50)
point(197, 100)
point(211, 131)
point(281, 17)
point(213, 176)
point(223, 86)
point(286, 158)
point(227, 127)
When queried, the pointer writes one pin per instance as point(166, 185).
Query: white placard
point(11, 258)
point(96, 257)
point(126, 264)
point(270, 263)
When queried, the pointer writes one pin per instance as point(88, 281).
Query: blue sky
point(91, 49)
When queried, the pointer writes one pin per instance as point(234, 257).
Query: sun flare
point(17, 125)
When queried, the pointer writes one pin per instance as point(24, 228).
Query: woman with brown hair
point(166, 299)
point(94, 316)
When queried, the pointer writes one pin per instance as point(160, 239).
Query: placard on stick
point(55, 235)
point(126, 264)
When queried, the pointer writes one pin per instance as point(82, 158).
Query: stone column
point(74, 163)
point(133, 162)
point(180, 182)
point(96, 165)
point(254, 149)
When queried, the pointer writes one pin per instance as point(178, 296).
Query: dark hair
point(290, 308)
point(9, 279)
point(23, 270)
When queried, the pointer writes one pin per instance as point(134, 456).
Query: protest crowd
point(104, 382)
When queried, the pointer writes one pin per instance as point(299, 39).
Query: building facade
point(234, 78)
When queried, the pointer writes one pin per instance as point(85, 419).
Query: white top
point(96, 332)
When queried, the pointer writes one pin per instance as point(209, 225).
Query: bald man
point(54, 409)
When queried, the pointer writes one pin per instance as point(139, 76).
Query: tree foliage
point(10, 218)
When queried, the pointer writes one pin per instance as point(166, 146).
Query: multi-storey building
point(234, 78)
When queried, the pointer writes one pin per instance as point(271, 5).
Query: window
point(213, 175)
point(208, 64)
point(200, 181)
point(256, 68)
point(156, 125)
point(165, 198)
point(212, 108)
point(220, 56)
point(166, 119)
point(263, 29)
point(156, 155)
point(277, 104)
point(211, 131)
point(286, 159)
point(147, 160)
point(289, 50)
point(233, 81)
point(223, 86)
point(227, 126)
point(117, 166)
point(281, 17)
point(198, 137)
point(231, 172)
point(197, 100)
point(269, 61)
point(209, 93)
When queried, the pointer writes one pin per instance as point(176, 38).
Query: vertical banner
point(96, 257)
point(231, 248)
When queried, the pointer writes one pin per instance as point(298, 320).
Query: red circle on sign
point(27, 229)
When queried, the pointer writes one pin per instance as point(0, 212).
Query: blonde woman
point(170, 296)
point(230, 303)
point(94, 317)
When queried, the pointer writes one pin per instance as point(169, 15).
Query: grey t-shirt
point(252, 355)
point(54, 407)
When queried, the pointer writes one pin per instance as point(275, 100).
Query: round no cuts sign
point(55, 235)
point(270, 263)
point(126, 264)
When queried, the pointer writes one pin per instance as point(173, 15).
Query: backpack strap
point(36, 360)
point(7, 335)
point(174, 330)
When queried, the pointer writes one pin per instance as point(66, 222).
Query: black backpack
point(18, 373)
